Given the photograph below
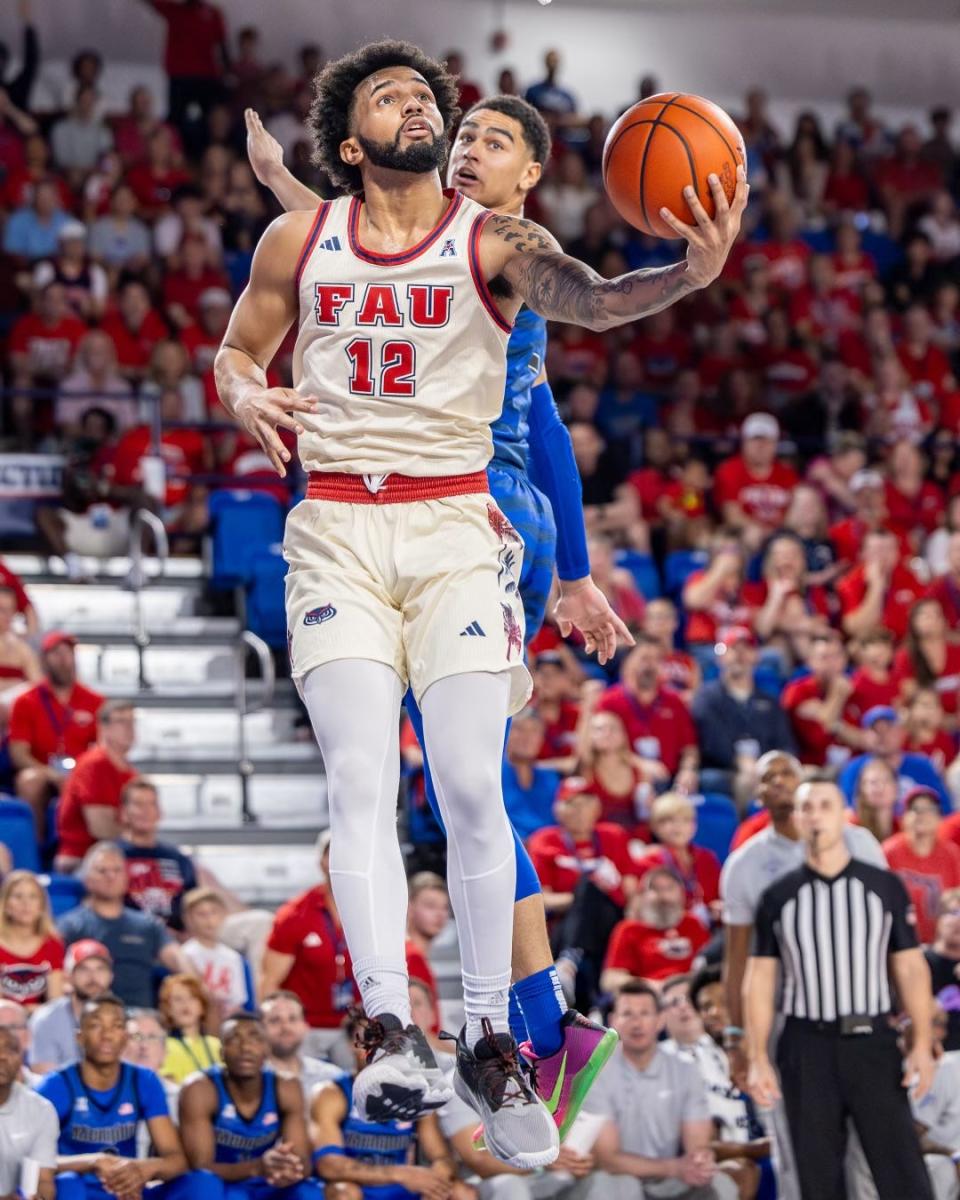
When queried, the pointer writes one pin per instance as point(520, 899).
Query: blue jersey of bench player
point(534, 479)
point(382, 1143)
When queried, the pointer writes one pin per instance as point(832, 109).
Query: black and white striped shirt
point(833, 936)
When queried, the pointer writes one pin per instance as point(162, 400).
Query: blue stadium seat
point(678, 567)
point(243, 525)
point(266, 615)
point(644, 571)
point(18, 834)
point(65, 892)
point(717, 821)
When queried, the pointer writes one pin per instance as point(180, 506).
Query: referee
point(843, 935)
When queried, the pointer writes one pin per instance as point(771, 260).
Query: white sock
point(464, 719)
point(354, 706)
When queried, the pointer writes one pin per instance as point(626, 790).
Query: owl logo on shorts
point(317, 616)
point(514, 634)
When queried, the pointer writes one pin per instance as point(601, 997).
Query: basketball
point(661, 145)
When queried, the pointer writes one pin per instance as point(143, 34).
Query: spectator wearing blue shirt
point(887, 736)
point(33, 231)
point(547, 95)
point(100, 1103)
point(529, 790)
point(626, 408)
point(137, 941)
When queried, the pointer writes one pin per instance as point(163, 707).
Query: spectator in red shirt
point(184, 451)
point(879, 590)
point(914, 504)
point(929, 658)
point(926, 364)
point(202, 341)
point(895, 408)
point(469, 93)
point(652, 480)
point(873, 682)
point(720, 595)
point(621, 779)
point(868, 489)
point(195, 57)
point(752, 491)
point(853, 268)
point(307, 954)
point(185, 287)
point(31, 954)
point(658, 938)
point(9, 579)
point(679, 671)
point(587, 874)
point(793, 610)
point(788, 371)
point(42, 343)
point(616, 583)
point(428, 912)
point(553, 697)
point(659, 727)
point(155, 180)
point(673, 820)
point(89, 808)
point(926, 735)
point(135, 328)
point(927, 865)
point(817, 705)
point(17, 661)
point(946, 589)
point(906, 178)
point(132, 131)
point(51, 725)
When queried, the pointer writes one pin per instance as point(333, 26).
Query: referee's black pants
point(826, 1078)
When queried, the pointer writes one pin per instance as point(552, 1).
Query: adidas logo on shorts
point(473, 630)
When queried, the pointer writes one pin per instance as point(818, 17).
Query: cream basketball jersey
point(406, 352)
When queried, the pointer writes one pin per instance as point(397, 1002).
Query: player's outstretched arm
point(565, 289)
point(258, 324)
point(266, 161)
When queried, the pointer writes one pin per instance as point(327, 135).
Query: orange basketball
point(661, 145)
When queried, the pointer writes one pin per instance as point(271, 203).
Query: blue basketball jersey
point(526, 351)
point(92, 1121)
point(383, 1142)
point(237, 1139)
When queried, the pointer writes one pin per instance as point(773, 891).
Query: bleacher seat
point(717, 821)
point(65, 892)
point(678, 567)
point(18, 834)
point(244, 524)
point(644, 571)
point(266, 612)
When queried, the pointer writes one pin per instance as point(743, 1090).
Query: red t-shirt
point(194, 34)
point(560, 735)
point(746, 829)
point(947, 683)
point(649, 953)
point(24, 978)
point(49, 347)
point(560, 861)
point(904, 589)
point(202, 348)
point(181, 449)
point(10, 580)
point(847, 537)
point(869, 693)
point(650, 484)
point(701, 880)
point(941, 749)
point(662, 358)
point(764, 500)
point(949, 829)
point(154, 189)
point(95, 780)
point(134, 347)
point(925, 878)
point(946, 591)
point(181, 288)
point(704, 625)
point(51, 728)
point(419, 968)
point(930, 368)
point(813, 739)
point(920, 512)
point(321, 974)
point(661, 730)
point(854, 271)
point(678, 671)
point(788, 372)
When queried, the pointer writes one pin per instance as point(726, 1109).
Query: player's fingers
point(719, 196)
point(565, 627)
point(272, 447)
point(291, 401)
point(289, 423)
point(689, 233)
point(622, 633)
point(699, 212)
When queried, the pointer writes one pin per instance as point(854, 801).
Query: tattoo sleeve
point(564, 289)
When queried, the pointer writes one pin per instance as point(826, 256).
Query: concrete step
point(37, 569)
point(171, 670)
point(201, 801)
point(281, 871)
point(106, 606)
point(163, 731)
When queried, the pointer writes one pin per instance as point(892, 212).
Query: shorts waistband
point(347, 488)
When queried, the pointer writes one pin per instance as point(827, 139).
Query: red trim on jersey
point(311, 241)
point(405, 256)
point(347, 488)
point(480, 283)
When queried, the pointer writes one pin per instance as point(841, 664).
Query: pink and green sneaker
point(564, 1079)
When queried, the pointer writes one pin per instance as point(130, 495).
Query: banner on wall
point(26, 479)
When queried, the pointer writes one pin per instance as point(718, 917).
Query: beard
point(419, 158)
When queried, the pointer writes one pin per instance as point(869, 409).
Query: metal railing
point(143, 519)
point(250, 641)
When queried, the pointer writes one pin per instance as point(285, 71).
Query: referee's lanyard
point(341, 994)
point(211, 1061)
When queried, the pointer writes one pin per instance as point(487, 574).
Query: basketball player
point(405, 299)
point(100, 1103)
point(245, 1124)
point(497, 159)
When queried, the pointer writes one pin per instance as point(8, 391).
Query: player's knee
point(353, 779)
point(342, 1191)
point(472, 791)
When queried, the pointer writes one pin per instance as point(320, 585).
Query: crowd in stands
point(772, 492)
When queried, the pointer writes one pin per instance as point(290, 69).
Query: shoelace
point(372, 1037)
point(500, 1070)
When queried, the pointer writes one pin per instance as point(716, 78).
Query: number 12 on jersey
point(396, 369)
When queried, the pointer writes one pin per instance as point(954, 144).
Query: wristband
point(733, 1031)
point(323, 1151)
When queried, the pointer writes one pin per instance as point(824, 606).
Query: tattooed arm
point(534, 267)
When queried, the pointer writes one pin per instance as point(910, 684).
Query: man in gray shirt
point(656, 1139)
point(54, 1026)
point(29, 1129)
point(286, 1029)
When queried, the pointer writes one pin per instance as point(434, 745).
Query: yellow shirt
point(187, 1055)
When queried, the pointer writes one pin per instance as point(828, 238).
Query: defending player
point(404, 300)
point(497, 160)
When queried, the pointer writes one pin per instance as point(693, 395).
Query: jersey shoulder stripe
point(311, 241)
point(483, 288)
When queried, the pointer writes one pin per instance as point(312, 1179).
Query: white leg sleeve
point(354, 706)
point(464, 719)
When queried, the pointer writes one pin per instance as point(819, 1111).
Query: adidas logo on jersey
point(331, 243)
point(473, 630)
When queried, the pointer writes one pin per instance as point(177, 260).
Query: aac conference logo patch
point(316, 616)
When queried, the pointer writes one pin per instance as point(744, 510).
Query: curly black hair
point(334, 89)
point(534, 127)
